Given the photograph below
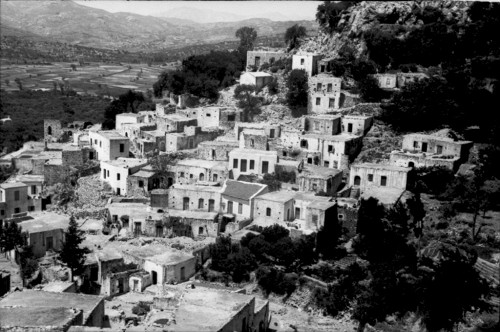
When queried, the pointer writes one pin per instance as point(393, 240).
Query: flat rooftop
point(143, 174)
point(319, 172)
point(192, 214)
point(321, 205)
point(250, 152)
point(10, 185)
point(336, 138)
point(234, 143)
point(177, 117)
point(280, 196)
point(436, 138)
point(44, 300)
point(195, 188)
point(45, 221)
point(259, 74)
point(382, 167)
point(310, 197)
point(57, 286)
point(133, 210)
point(32, 318)
point(126, 162)
point(324, 116)
point(254, 131)
point(135, 115)
point(213, 309)
point(386, 196)
point(357, 117)
point(111, 135)
point(202, 163)
point(154, 133)
point(170, 257)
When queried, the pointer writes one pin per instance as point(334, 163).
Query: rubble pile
point(378, 144)
point(182, 243)
point(91, 198)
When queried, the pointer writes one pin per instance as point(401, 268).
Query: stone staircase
point(300, 298)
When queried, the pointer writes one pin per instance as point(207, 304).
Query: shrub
point(297, 88)
point(141, 308)
point(273, 86)
point(274, 69)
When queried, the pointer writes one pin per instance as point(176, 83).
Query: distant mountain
point(69, 22)
point(200, 16)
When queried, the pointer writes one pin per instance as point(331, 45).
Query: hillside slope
point(364, 15)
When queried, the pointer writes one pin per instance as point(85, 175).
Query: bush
point(273, 86)
point(141, 308)
point(274, 69)
point(297, 88)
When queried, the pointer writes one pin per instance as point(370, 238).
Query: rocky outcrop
point(364, 15)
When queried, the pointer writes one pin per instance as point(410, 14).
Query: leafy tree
point(328, 237)
point(247, 36)
point(370, 90)
point(433, 180)
point(220, 250)
point(73, 67)
point(127, 102)
point(272, 181)
point(12, 237)
point(72, 254)
point(61, 193)
point(161, 165)
point(293, 35)
point(29, 264)
point(454, 289)
point(240, 263)
point(247, 101)
point(329, 13)
point(297, 88)
point(417, 212)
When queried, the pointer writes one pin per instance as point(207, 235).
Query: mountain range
point(69, 22)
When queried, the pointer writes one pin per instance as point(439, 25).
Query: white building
point(116, 172)
point(307, 62)
point(123, 118)
point(258, 79)
point(251, 161)
point(109, 144)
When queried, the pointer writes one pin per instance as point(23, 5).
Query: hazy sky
point(291, 9)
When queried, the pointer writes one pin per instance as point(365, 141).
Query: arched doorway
point(49, 130)
point(411, 164)
point(357, 180)
point(202, 177)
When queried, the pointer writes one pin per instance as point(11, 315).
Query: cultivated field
point(92, 78)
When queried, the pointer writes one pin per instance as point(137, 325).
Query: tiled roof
point(242, 190)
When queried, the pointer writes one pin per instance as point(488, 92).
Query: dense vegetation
point(130, 101)
point(202, 75)
point(28, 109)
point(298, 88)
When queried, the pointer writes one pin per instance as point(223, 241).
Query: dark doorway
point(424, 147)
point(349, 127)
point(185, 203)
point(357, 180)
point(383, 180)
point(297, 213)
point(243, 165)
point(159, 231)
point(49, 130)
point(154, 275)
point(257, 62)
point(265, 167)
point(120, 286)
point(50, 242)
point(170, 182)
point(183, 273)
point(229, 207)
point(211, 205)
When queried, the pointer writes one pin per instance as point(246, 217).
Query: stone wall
point(216, 151)
point(265, 57)
point(55, 174)
point(52, 130)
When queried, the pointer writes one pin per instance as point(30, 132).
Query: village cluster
point(209, 193)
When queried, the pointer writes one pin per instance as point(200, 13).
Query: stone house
point(275, 206)
point(194, 198)
point(157, 137)
point(217, 150)
point(17, 197)
point(405, 78)
point(116, 172)
point(174, 123)
point(254, 139)
point(191, 171)
point(129, 118)
point(356, 124)
point(251, 161)
point(378, 175)
point(163, 266)
point(159, 199)
point(257, 79)
point(319, 179)
point(326, 124)
point(257, 58)
point(213, 116)
point(138, 281)
point(318, 213)
point(272, 130)
point(238, 198)
point(45, 231)
point(387, 183)
point(135, 130)
point(43, 311)
point(56, 131)
point(142, 182)
point(331, 151)
point(421, 150)
point(132, 216)
point(307, 62)
point(324, 93)
point(191, 223)
point(190, 138)
point(109, 145)
point(386, 80)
